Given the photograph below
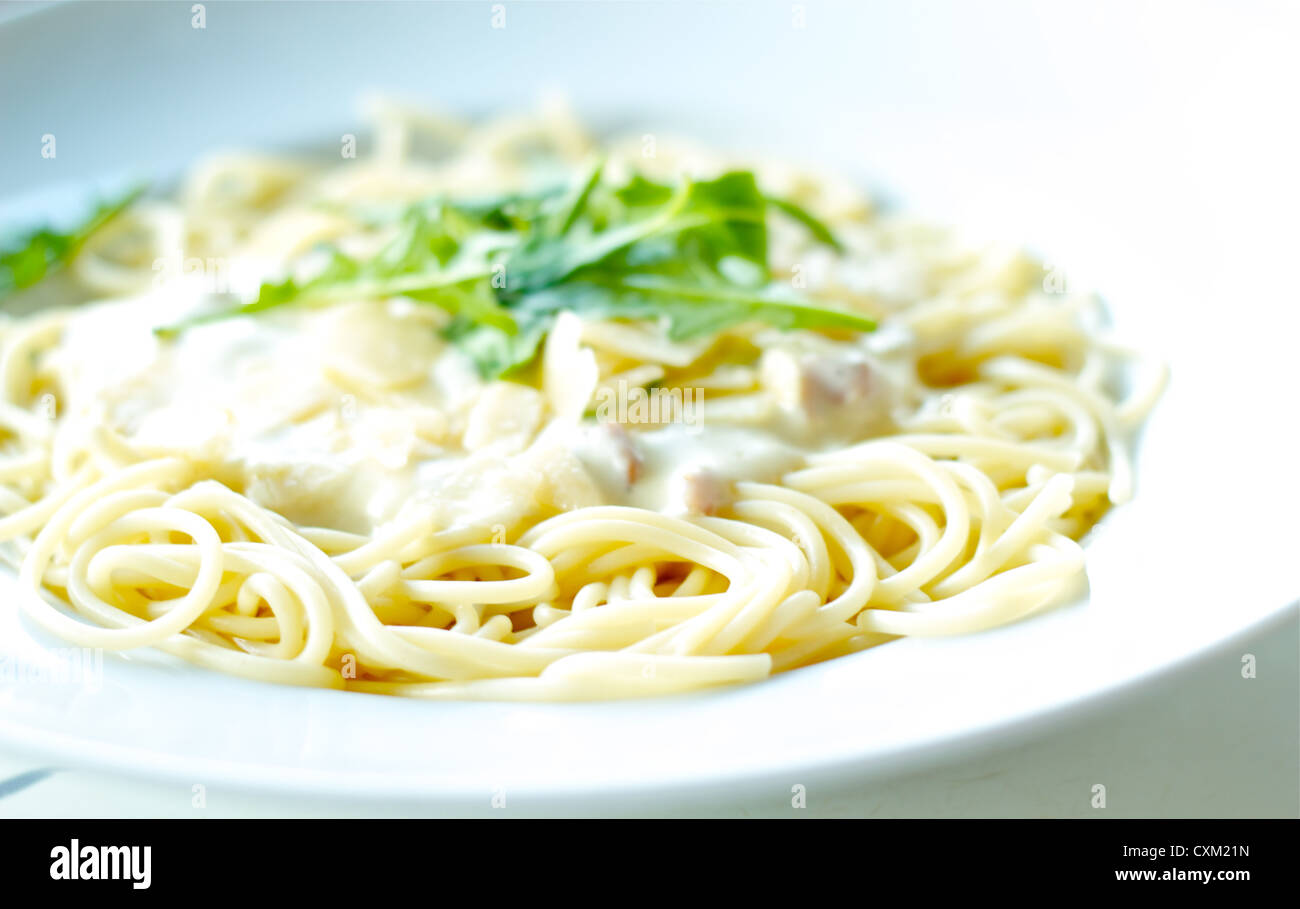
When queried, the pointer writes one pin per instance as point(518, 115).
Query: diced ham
point(833, 395)
point(702, 492)
point(627, 457)
point(828, 384)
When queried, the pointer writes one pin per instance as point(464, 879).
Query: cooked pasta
point(501, 412)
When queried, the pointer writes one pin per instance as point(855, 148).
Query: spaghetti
point(331, 495)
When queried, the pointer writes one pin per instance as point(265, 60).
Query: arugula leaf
point(817, 228)
point(639, 192)
point(577, 199)
point(498, 351)
point(689, 310)
point(507, 211)
point(693, 257)
point(737, 218)
point(44, 251)
point(709, 219)
point(422, 237)
point(345, 279)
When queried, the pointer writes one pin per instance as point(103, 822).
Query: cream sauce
point(347, 417)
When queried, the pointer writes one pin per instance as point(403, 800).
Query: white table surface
point(1202, 742)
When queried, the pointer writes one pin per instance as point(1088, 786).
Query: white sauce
point(344, 417)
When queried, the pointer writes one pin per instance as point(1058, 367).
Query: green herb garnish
point(814, 226)
point(44, 251)
point(693, 256)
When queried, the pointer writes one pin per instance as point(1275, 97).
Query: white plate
point(1004, 120)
